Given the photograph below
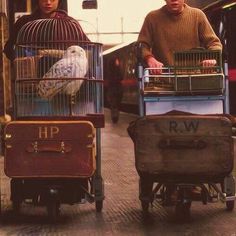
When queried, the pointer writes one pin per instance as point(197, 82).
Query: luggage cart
point(52, 146)
point(184, 138)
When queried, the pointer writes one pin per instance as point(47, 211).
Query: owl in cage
point(74, 64)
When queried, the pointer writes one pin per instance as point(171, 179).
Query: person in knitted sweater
point(175, 27)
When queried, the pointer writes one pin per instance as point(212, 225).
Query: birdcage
point(58, 73)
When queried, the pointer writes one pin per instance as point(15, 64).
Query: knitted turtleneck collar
point(172, 14)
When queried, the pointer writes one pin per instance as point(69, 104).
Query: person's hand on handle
point(209, 63)
point(156, 65)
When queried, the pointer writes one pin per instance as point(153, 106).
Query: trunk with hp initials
point(183, 147)
point(49, 149)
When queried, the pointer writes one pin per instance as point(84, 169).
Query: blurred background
point(105, 21)
point(113, 22)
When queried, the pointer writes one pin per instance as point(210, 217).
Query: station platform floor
point(121, 214)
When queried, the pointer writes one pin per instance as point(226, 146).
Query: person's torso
point(174, 33)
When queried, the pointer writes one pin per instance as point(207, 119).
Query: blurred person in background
point(114, 94)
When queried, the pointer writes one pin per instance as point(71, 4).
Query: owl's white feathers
point(73, 64)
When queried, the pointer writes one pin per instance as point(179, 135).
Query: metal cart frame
point(162, 93)
point(75, 176)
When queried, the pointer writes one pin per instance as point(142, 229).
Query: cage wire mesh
point(190, 61)
point(188, 74)
point(57, 72)
point(199, 78)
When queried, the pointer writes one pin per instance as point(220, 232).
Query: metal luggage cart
point(52, 146)
point(178, 109)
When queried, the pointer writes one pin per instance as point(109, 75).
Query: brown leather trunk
point(49, 149)
point(183, 147)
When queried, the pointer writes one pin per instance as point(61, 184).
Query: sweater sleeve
point(145, 37)
point(207, 36)
point(9, 47)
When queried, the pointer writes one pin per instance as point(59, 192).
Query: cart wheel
point(182, 210)
point(16, 193)
point(114, 115)
point(16, 204)
point(169, 195)
point(99, 205)
point(53, 209)
point(230, 205)
point(145, 207)
point(145, 189)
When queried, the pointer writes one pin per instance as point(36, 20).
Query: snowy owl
point(72, 65)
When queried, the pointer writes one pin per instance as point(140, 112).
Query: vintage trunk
point(49, 149)
point(183, 147)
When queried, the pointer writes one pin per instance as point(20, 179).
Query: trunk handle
point(60, 148)
point(181, 144)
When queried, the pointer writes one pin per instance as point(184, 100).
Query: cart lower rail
point(54, 192)
point(181, 195)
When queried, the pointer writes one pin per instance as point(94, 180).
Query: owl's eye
point(73, 51)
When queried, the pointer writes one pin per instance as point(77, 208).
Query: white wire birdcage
point(58, 72)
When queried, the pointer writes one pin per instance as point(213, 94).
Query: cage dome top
point(48, 32)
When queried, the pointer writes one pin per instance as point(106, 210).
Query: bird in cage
point(73, 65)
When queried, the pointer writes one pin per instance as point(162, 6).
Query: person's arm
point(9, 50)
point(207, 36)
point(145, 37)
point(152, 62)
point(9, 47)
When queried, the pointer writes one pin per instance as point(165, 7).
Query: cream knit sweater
point(165, 33)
